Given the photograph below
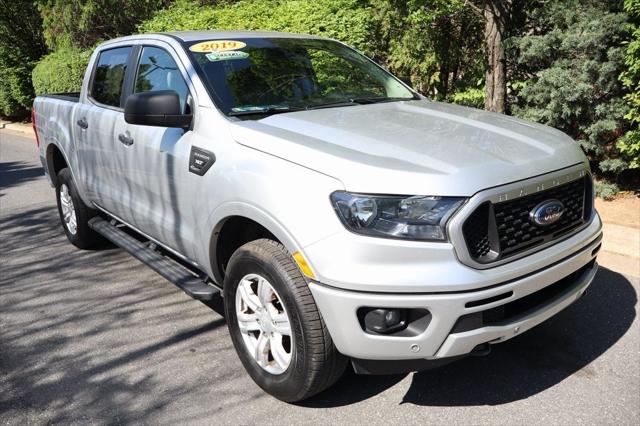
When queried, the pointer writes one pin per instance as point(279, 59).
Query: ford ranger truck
point(342, 217)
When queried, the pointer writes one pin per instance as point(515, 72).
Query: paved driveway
point(96, 337)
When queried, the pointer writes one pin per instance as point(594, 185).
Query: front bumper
point(439, 339)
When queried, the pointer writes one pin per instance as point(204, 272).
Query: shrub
point(606, 191)
point(345, 20)
point(16, 92)
point(61, 71)
point(473, 97)
point(21, 45)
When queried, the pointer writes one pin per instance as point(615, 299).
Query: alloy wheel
point(264, 324)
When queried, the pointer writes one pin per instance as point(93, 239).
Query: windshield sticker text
point(217, 46)
point(225, 56)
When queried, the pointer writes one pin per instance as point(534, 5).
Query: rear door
point(100, 122)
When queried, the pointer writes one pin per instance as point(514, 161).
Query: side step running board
point(169, 269)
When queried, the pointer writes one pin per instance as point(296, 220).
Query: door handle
point(125, 138)
point(82, 123)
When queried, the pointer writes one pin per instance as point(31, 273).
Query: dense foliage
point(61, 70)
point(345, 20)
point(82, 23)
point(21, 45)
point(436, 45)
point(629, 144)
point(571, 61)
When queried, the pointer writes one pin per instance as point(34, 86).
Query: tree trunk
point(496, 15)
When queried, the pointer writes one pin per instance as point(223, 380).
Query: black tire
point(315, 362)
point(84, 237)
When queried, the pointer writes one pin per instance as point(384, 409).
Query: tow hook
point(481, 350)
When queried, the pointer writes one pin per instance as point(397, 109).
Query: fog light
point(392, 318)
point(384, 321)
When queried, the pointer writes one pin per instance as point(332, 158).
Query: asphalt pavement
point(96, 337)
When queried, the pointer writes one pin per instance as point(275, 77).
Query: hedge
point(345, 20)
point(61, 71)
point(16, 92)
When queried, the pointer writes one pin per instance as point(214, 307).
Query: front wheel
point(275, 325)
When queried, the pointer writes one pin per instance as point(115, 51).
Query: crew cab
point(342, 217)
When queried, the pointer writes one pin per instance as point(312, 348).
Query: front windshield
point(269, 75)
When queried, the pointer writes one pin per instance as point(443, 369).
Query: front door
point(156, 199)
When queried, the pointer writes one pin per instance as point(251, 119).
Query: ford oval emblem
point(547, 212)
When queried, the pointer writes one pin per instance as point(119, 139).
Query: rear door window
point(109, 75)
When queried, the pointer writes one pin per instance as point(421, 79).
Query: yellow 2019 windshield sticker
point(217, 46)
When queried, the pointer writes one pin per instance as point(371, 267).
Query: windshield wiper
point(358, 101)
point(345, 102)
point(331, 104)
point(266, 110)
point(373, 100)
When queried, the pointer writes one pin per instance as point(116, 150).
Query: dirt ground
point(624, 210)
point(621, 241)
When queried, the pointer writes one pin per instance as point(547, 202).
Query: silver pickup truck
point(341, 216)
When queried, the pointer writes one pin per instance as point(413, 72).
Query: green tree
point(502, 19)
point(570, 61)
point(83, 23)
point(433, 44)
point(496, 15)
point(629, 145)
point(21, 45)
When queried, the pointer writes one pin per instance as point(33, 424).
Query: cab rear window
point(109, 75)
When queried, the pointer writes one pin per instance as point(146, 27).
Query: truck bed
point(68, 96)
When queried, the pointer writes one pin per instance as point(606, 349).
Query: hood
point(413, 147)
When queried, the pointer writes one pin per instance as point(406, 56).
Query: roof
point(202, 35)
point(189, 36)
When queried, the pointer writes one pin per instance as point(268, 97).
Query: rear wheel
point(74, 214)
point(275, 325)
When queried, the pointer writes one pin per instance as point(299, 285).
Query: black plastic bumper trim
point(403, 366)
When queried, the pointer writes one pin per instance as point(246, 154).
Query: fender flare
point(50, 146)
point(218, 218)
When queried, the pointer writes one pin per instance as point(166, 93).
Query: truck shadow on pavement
point(14, 173)
point(66, 321)
point(544, 356)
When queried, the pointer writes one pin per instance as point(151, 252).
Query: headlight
point(411, 218)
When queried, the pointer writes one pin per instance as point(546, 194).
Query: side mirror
point(159, 108)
